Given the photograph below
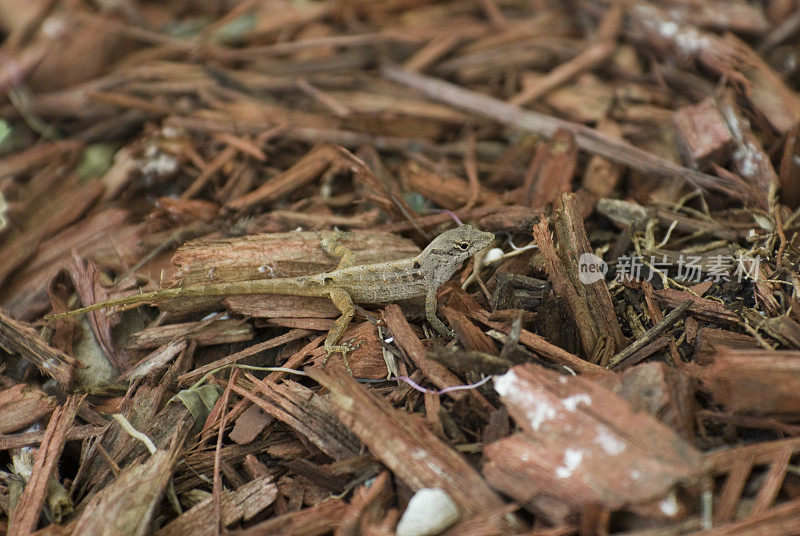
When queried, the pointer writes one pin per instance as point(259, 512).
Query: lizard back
point(377, 283)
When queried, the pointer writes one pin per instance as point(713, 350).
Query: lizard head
point(445, 254)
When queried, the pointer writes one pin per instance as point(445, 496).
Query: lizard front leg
point(342, 300)
point(430, 312)
point(332, 244)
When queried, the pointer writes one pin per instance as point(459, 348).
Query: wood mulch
point(626, 355)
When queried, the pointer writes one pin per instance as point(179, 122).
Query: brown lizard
point(386, 282)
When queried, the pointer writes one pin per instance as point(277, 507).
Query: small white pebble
point(670, 506)
point(430, 511)
point(390, 340)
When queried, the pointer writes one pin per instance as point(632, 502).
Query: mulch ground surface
point(622, 359)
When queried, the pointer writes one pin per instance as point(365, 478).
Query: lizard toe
point(343, 349)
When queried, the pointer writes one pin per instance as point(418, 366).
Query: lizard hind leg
point(332, 244)
point(342, 300)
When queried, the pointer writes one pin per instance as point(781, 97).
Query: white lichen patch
point(505, 383)
point(538, 410)
point(419, 454)
point(157, 164)
point(571, 402)
point(748, 158)
point(686, 39)
point(610, 443)
point(542, 413)
point(572, 460)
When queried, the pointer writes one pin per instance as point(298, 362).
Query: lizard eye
point(463, 245)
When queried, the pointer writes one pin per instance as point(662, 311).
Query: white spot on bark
point(571, 402)
point(537, 409)
point(609, 442)
point(749, 158)
point(667, 29)
point(572, 459)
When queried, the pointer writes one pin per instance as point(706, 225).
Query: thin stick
point(217, 486)
point(588, 139)
point(651, 334)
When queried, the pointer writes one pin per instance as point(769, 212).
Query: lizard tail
point(139, 299)
point(258, 286)
point(294, 286)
